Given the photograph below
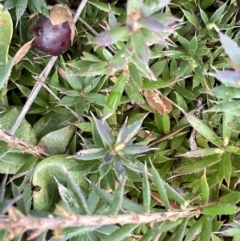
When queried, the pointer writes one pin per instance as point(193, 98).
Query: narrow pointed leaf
point(116, 205)
point(228, 77)
point(151, 7)
point(231, 49)
point(204, 188)
point(90, 154)
point(220, 209)
point(225, 92)
point(173, 194)
point(204, 130)
point(230, 198)
point(121, 233)
point(112, 36)
point(133, 129)
point(113, 100)
point(122, 134)
point(78, 194)
point(104, 132)
point(140, 48)
point(136, 149)
point(227, 167)
point(198, 166)
point(206, 228)
point(126, 203)
point(160, 187)
point(179, 232)
point(65, 195)
point(146, 191)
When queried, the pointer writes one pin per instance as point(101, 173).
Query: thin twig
point(43, 76)
point(55, 97)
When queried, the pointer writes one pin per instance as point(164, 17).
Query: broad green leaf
point(231, 49)
point(133, 6)
point(24, 132)
point(146, 191)
point(113, 99)
point(206, 228)
point(160, 187)
point(38, 6)
point(112, 36)
point(56, 142)
point(20, 8)
point(220, 209)
point(5, 72)
point(9, 4)
point(123, 232)
point(179, 232)
point(6, 31)
point(204, 130)
point(56, 165)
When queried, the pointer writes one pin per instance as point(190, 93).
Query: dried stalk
point(14, 142)
point(71, 220)
point(43, 76)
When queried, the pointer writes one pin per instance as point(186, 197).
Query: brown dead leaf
point(157, 103)
point(22, 52)
point(61, 13)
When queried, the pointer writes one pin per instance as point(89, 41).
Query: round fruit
point(51, 39)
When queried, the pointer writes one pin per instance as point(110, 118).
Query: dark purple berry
point(51, 39)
